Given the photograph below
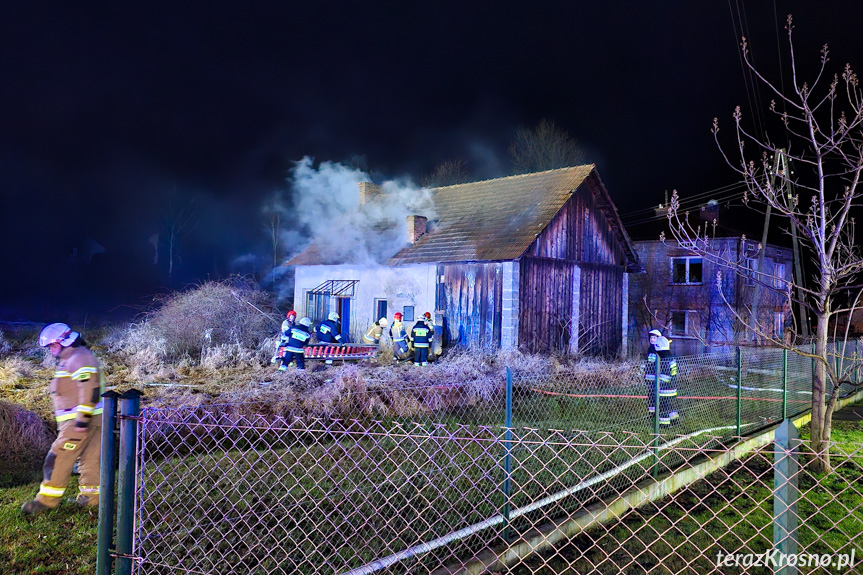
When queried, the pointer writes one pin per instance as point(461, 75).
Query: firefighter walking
point(76, 391)
point(422, 335)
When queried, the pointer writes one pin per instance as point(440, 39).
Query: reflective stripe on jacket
point(299, 337)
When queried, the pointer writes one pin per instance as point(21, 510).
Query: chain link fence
point(445, 487)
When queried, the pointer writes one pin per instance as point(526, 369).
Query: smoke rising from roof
point(327, 213)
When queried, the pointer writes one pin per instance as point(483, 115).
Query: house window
point(779, 276)
point(317, 306)
point(686, 323)
point(751, 268)
point(686, 270)
point(408, 313)
point(678, 323)
point(380, 309)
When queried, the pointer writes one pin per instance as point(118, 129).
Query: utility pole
point(763, 248)
point(798, 271)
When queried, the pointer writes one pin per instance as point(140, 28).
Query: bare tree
point(821, 122)
point(447, 173)
point(273, 225)
point(545, 147)
point(179, 220)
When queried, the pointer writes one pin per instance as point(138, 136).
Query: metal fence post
point(785, 469)
point(130, 408)
point(507, 459)
point(784, 384)
point(107, 477)
point(655, 470)
point(739, 386)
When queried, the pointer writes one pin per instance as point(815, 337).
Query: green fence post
point(785, 469)
point(784, 384)
point(130, 408)
point(655, 471)
point(739, 386)
point(107, 476)
point(507, 459)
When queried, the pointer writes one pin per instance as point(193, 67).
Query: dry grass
point(24, 440)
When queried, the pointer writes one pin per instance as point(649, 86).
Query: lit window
point(779, 276)
point(686, 270)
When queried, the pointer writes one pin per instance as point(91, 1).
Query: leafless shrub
point(24, 440)
point(217, 322)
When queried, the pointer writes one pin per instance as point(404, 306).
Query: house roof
point(497, 220)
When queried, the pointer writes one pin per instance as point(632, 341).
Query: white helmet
point(383, 322)
point(333, 316)
point(306, 322)
point(57, 333)
point(655, 332)
point(662, 344)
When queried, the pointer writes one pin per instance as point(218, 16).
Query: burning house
point(537, 261)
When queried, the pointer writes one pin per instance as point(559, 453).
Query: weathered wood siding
point(546, 304)
point(601, 317)
point(472, 304)
point(580, 236)
point(580, 232)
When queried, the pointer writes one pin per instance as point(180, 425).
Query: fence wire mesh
point(226, 489)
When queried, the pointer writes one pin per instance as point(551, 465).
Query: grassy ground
point(60, 542)
point(730, 511)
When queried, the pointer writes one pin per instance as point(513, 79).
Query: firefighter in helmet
point(398, 333)
point(422, 335)
point(299, 336)
point(330, 331)
point(376, 331)
point(284, 334)
point(76, 393)
point(666, 381)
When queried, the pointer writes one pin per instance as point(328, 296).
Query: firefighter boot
point(34, 507)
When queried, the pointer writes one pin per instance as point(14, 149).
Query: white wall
point(400, 286)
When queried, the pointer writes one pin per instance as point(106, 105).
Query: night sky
point(110, 114)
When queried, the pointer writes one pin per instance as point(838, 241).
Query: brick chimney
point(417, 226)
point(368, 191)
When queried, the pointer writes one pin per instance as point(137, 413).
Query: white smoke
point(327, 211)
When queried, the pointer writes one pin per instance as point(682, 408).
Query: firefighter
point(398, 334)
point(284, 333)
point(422, 335)
point(376, 331)
point(330, 331)
point(299, 336)
point(650, 369)
point(660, 347)
point(667, 382)
point(75, 390)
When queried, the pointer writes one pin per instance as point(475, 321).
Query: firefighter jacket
point(299, 337)
point(286, 329)
point(77, 386)
point(398, 332)
point(667, 371)
point(374, 334)
point(422, 334)
point(329, 332)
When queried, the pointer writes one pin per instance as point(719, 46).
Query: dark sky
point(111, 112)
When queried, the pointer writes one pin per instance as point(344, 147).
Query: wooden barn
point(537, 261)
